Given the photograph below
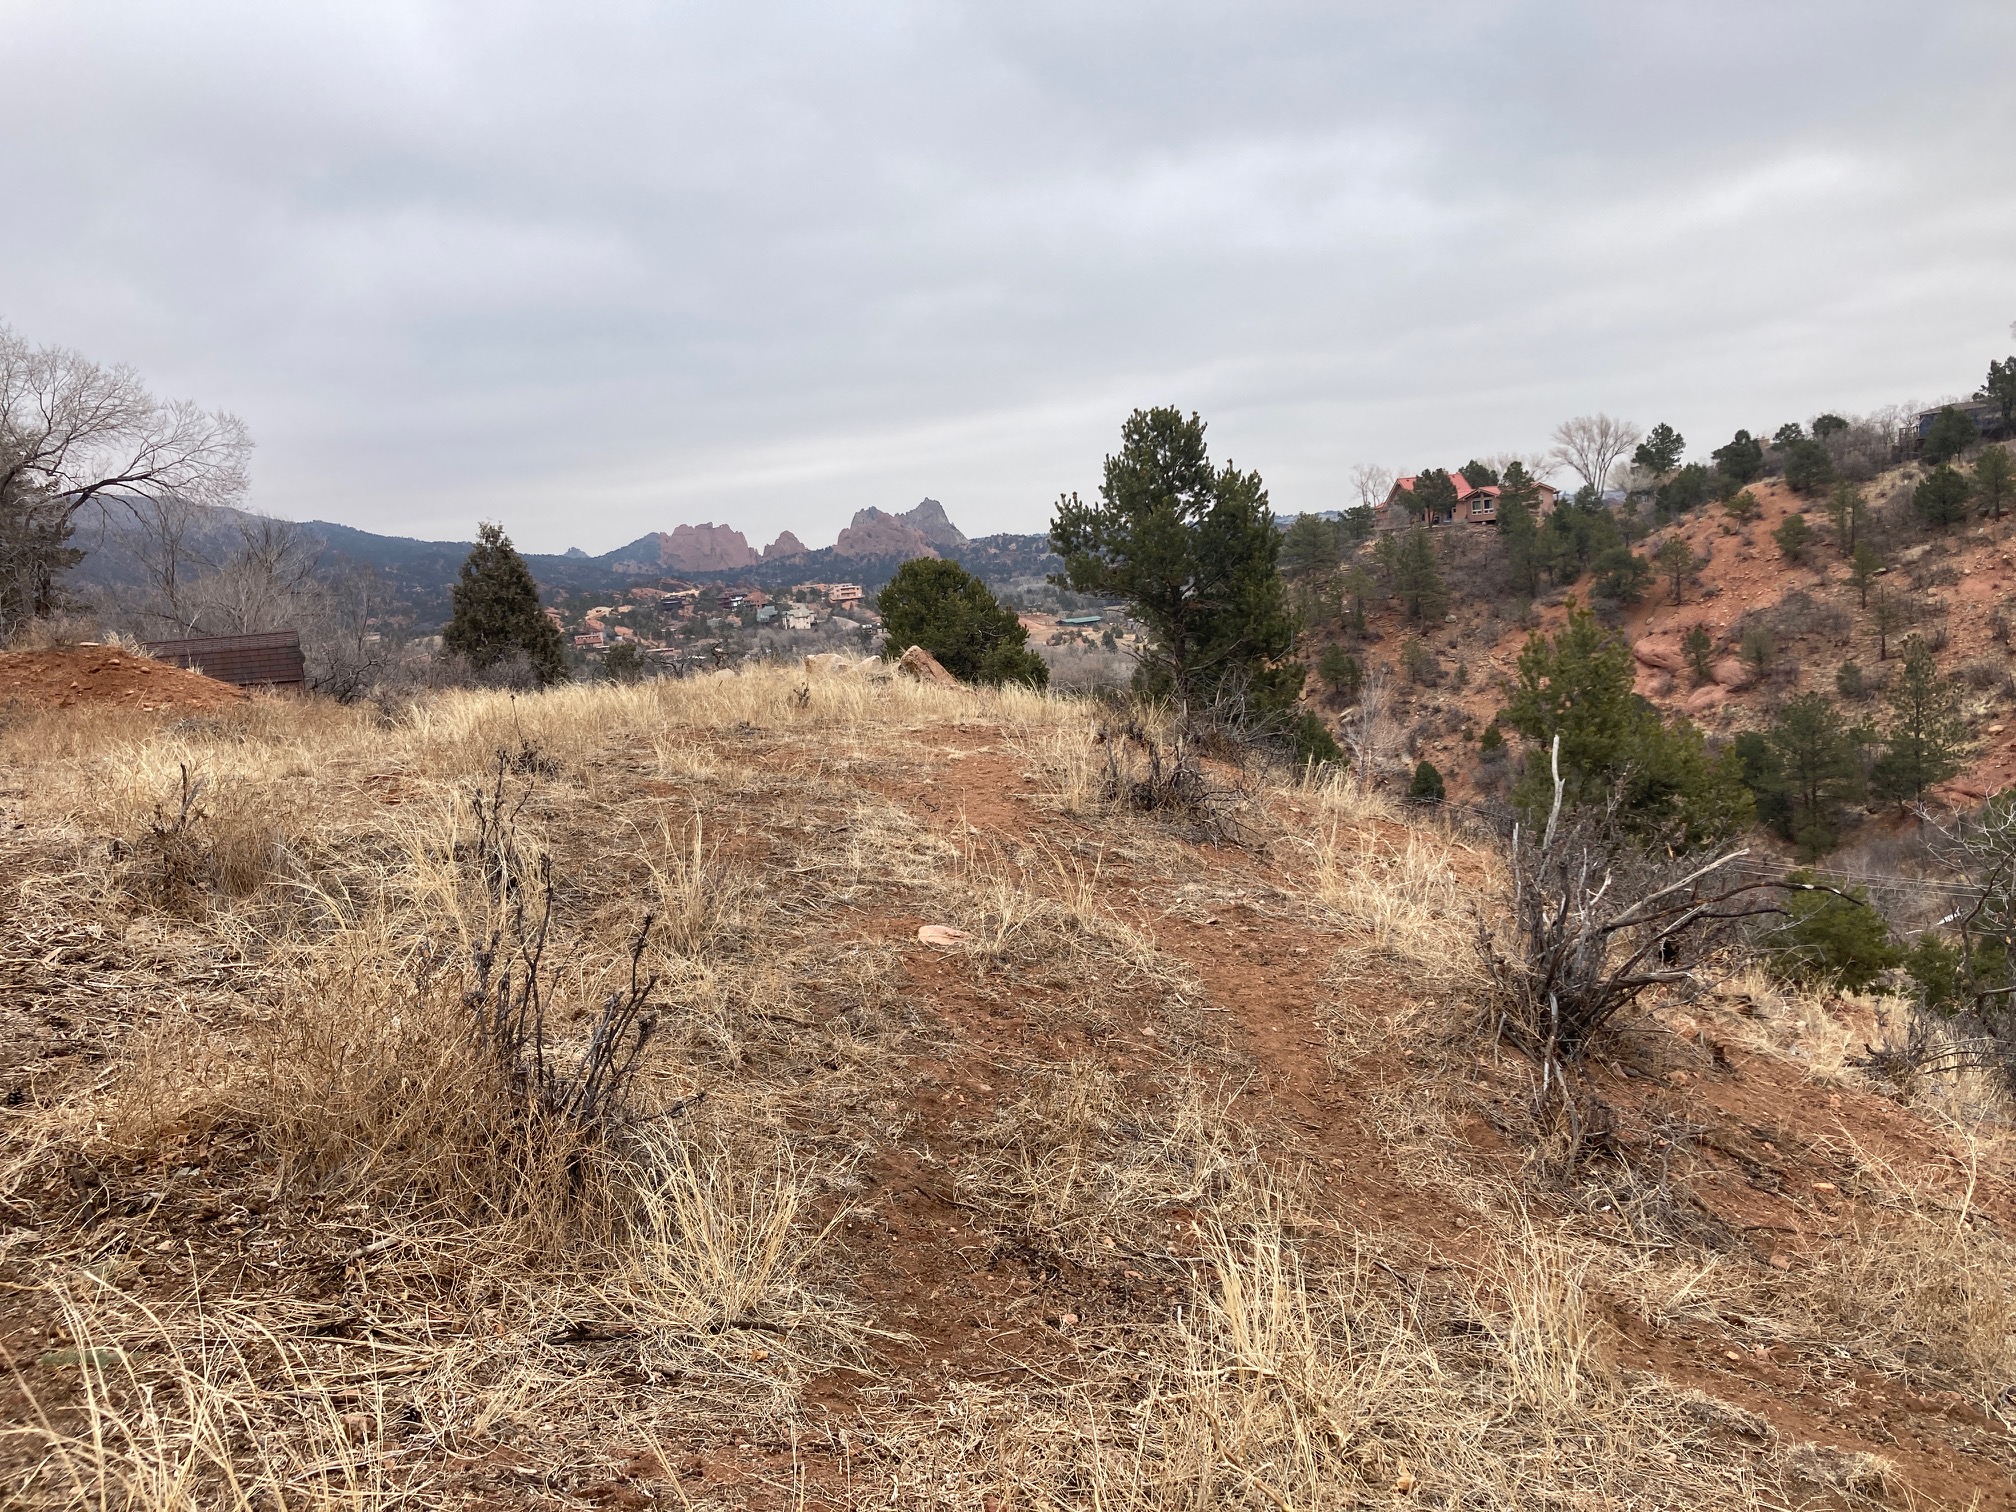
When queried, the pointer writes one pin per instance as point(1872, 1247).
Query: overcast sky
point(596, 269)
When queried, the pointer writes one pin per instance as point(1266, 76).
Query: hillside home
point(1987, 418)
point(1473, 506)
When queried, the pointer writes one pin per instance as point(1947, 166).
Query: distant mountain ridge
point(420, 573)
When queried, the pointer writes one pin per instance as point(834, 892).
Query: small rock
point(1781, 1262)
point(1404, 1483)
point(941, 934)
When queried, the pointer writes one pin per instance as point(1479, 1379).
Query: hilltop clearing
point(1014, 1129)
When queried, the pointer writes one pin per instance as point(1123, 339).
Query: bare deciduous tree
point(1372, 482)
point(1369, 731)
point(1590, 446)
point(73, 431)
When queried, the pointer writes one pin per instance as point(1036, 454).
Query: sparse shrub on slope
point(1830, 937)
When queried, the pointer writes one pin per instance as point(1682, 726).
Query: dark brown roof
point(270, 659)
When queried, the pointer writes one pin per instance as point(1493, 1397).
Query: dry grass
point(305, 1250)
point(1412, 889)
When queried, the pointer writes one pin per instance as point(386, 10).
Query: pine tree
point(1741, 461)
point(1698, 646)
point(1677, 563)
point(1417, 581)
point(2000, 390)
point(1994, 481)
point(1577, 684)
point(1862, 569)
point(1941, 499)
point(1819, 766)
point(1660, 452)
point(1519, 527)
point(496, 612)
point(1427, 786)
point(1311, 545)
point(1848, 511)
point(1952, 432)
point(1192, 548)
point(1926, 736)
point(1434, 495)
point(1354, 588)
point(1622, 575)
point(1793, 535)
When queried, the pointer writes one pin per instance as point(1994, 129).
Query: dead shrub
point(1799, 614)
point(1594, 920)
point(193, 850)
point(1984, 673)
point(1150, 768)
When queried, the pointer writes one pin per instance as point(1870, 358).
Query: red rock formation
point(705, 548)
point(783, 548)
point(930, 521)
point(876, 534)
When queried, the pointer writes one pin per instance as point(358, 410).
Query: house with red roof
point(1474, 505)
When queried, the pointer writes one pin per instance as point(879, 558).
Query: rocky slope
point(1953, 588)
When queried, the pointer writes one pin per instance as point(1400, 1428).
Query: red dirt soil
point(108, 676)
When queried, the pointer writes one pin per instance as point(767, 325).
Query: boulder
point(1660, 651)
point(926, 668)
point(1733, 674)
point(826, 663)
point(1704, 699)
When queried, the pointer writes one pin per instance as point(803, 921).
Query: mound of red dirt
point(105, 675)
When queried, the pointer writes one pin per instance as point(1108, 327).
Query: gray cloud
point(598, 269)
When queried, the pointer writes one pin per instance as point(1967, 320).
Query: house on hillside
point(1473, 506)
point(1986, 415)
